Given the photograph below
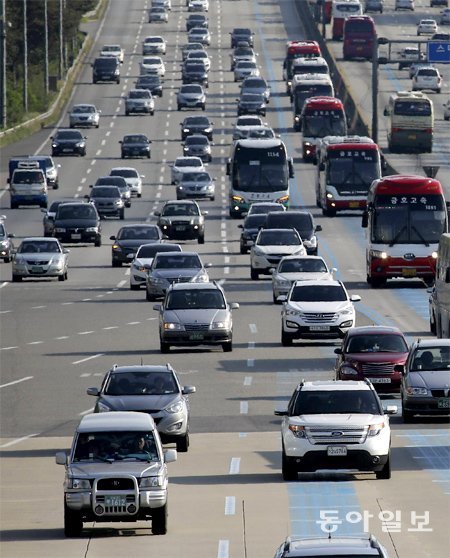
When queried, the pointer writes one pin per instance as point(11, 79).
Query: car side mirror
point(318, 228)
point(391, 410)
point(338, 351)
point(61, 458)
point(386, 112)
point(157, 307)
point(355, 298)
point(280, 412)
point(93, 391)
point(170, 455)
point(112, 237)
point(234, 305)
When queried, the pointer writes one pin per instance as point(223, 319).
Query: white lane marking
point(223, 549)
point(5, 282)
point(248, 381)
point(8, 348)
point(5, 311)
point(66, 303)
point(86, 412)
point(230, 505)
point(35, 343)
point(253, 328)
point(251, 344)
point(61, 338)
point(110, 327)
point(17, 381)
point(243, 407)
point(37, 307)
point(133, 323)
point(250, 362)
point(234, 465)
point(18, 440)
point(88, 358)
point(85, 332)
point(121, 284)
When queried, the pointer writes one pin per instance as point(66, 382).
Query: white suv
point(427, 77)
point(312, 547)
point(335, 425)
point(316, 309)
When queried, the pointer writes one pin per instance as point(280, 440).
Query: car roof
point(425, 343)
point(44, 238)
point(195, 286)
point(335, 385)
point(318, 282)
point(374, 329)
point(144, 368)
point(120, 420)
point(327, 546)
point(298, 257)
point(181, 202)
point(178, 254)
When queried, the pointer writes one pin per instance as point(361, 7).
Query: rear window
point(365, 27)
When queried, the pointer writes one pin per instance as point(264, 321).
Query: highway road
point(227, 497)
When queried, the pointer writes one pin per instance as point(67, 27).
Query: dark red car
point(372, 352)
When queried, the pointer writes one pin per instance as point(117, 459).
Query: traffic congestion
point(251, 314)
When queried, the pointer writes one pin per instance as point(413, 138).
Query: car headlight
point(292, 312)
point(220, 325)
point(200, 278)
point(102, 408)
point(79, 144)
point(375, 429)
point(3, 244)
point(378, 254)
point(54, 145)
point(349, 371)
point(79, 484)
point(347, 311)
point(416, 391)
point(150, 482)
point(258, 251)
point(173, 326)
point(60, 229)
point(92, 229)
point(176, 407)
point(19, 260)
point(158, 280)
point(282, 283)
point(298, 431)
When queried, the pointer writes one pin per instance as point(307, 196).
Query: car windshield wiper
point(398, 235)
point(420, 235)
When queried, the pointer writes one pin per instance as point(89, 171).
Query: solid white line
point(230, 505)
point(234, 465)
point(18, 440)
point(86, 412)
point(17, 381)
point(88, 358)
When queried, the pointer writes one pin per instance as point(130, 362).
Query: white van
point(28, 185)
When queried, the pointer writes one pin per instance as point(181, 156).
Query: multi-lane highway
point(227, 497)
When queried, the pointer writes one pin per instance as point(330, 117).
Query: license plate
point(353, 204)
point(37, 269)
point(319, 328)
point(67, 150)
point(409, 272)
point(196, 336)
point(412, 136)
point(76, 236)
point(180, 228)
point(115, 501)
point(380, 380)
point(444, 403)
point(336, 450)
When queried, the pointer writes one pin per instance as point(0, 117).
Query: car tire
point(377, 282)
point(62, 277)
point(178, 107)
point(286, 339)
point(227, 347)
point(183, 443)
point(16, 278)
point(201, 239)
point(288, 472)
point(73, 525)
point(122, 214)
point(134, 287)
point(7, 259)
point(159, 520)
point(254, 275)
point(164, 347)
point(243, 249)
point(407, 416)
point(98, 242)
point(274, 299)
point(116, 263)
point(127, 113)
point(203, 107)
point(385, 472)
point(149, 297)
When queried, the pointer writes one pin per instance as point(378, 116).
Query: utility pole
point(61, 41)
point(46, 47)
point(375, 90)
point(3, 25)
point(25, 58)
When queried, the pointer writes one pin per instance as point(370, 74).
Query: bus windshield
point(262, 169)
point(408, 219)
point(321, 123)
point(352, 171)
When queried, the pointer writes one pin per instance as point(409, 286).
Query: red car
point(372, 352)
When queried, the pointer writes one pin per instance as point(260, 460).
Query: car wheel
point(288, 472)
point(254, 275)
point(139, 195)
point(286, 339)
point(159, 520)
point(61, 277)
point(203, 107)
point(149, 297)
point(134, 287)
point(16, 278)
point(73, 525)
point(274, 299)
point(178, 107)
point(201, 239)
point(407, 416)
point(385, 472)
point(116, 263)
point(164, 347)
point(98, 242)
point(377, 282)
point(127, 113)
point(122, 214)
point(243, 249)
point(7, 259)
point(152, 112)
point(183, 443)
point(227, 347)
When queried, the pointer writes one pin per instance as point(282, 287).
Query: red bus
point(320, 117)
point(405, 218)
point(359, 37)
point(298, 49)
point(346, 168)
point(342, 10)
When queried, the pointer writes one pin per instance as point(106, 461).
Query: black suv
point(77, 222)
point(106, 69)
point(194, 72)
point(241, 35)
point(135, 145)
point(301, 221)
point(108, 201)
point(128, 239)
point(197, 125)
point(196, 20)
point(66, 142)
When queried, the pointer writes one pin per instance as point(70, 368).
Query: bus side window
point(386, 111)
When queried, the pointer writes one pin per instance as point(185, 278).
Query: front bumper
point(77, 237)
point(426, 405)
point(359, 459)
point(294, 330)
point(182, 232)
point(191, 338)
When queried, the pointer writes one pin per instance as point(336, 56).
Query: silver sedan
point(84, 116)
point(40, 257)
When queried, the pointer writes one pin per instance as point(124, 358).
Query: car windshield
point(180, 209)
point(131, 233)
point(278, 238)
point(152, 40)
point(135, 139)
point(110, 181)
point(191, 89)
point(431, 358)
point(116, 446)
point(254, 221)
point(386, 343)
point(69, 135)
point(151, 61)
point(28, 177)
point(144, 94)
point(245, 64)
point(251, 98)
point(183, 261)
point(105, 192)
point(302, 265)
point(191, 162)
point(243, 51)
point(125, 173)
point(318, 293)
point(249, 121)
point(196, 121)
point(83, 109)
point(197, 140)
point(39, 246)
point(140, 383)
point(336, 401)
point(81, 211)
point(195, 298)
